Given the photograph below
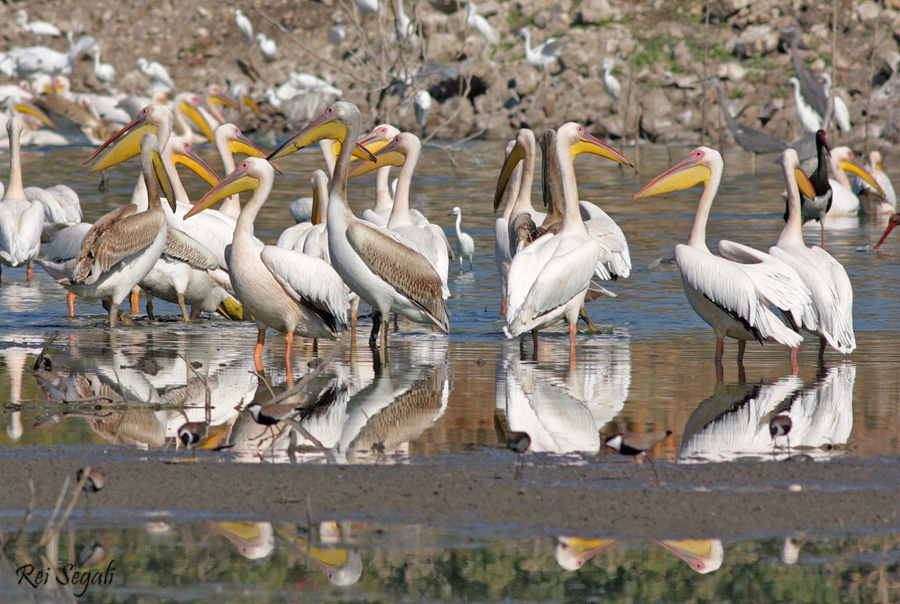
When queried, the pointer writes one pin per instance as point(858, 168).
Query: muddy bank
point(734, 500)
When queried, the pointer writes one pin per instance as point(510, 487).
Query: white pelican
point(465, 245)
point(843, 201)
point(429, 239)
point(244, 25)
point(38, 28)
point(810, 120)
point(267, 45)
point(839, 105)
point(548, 280)
point(122, 246)
point(832, 293)
point(502, 256)
point(21, 220)
point(104, 72)
point(384, 273)
point(544, 55)
point(282, 289)
point(611, 82)
point(212, 228)
point(58, 256)
point(862, 188)
point(731, 293)
point(230, 140)
point(312, 233)
point(61, 208)
point(481, 25)
point(159, 75)
point(523, 216)
point(384, 198)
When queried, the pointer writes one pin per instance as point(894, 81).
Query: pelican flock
point(361, 251)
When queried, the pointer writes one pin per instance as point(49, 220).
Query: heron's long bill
point(682, 176)
point(236, 182)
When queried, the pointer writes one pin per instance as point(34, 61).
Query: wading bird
point(465, 245)
point(731, 292)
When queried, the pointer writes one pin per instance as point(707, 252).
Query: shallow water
point(648, 366)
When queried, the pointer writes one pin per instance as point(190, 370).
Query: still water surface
point(649, 366)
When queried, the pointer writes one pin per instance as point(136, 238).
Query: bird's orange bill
point(251, 103)
point(512, 160)
point(324, 126)
point(682, 176)
point(236, 182)
point(162, 176)
point(191, 111)
point(852, 165)
point(702, 555)
point(26, 106)
point(592, 144)
point(123, 145)
point(197, 165)
point(387, 155)
point(244, 145)
point(803, 183)
point(894, 221)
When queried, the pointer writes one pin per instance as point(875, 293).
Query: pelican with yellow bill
point(288, 291)
point(386, 274)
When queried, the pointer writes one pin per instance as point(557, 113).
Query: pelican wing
point(775, 281)
point(730, 287)
point(836, 306)
point(117, 242)
point(406, 270)
point(559, 273)
point(183, 247)
point(103, 224)
point(313, 283)
point(20, 229)
point(615, 258)
point(66, 243)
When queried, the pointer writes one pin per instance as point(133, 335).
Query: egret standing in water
point(465, 245)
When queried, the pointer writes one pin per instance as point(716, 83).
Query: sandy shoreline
point(728, 501)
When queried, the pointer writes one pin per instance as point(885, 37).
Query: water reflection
point(359, 415)
point(563, 409)
point(283, 561)
point(735, 421)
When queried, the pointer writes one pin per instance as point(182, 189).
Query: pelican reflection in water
point(734, 422)
point(564, 414)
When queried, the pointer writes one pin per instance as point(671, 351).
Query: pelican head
point(125, 144)
point(523, 150)
point(331, 124)
point(246, 177)
point(230, 137)
point(216, 95)
point(847, 161)
point(702, 555)
point(572, 552)
point(696, 168)
point(380, 136)
point(181, 152)
point(579, 141)
point(875, 161)
point(791, 164)
point(187, 103)
point(392, 154)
